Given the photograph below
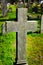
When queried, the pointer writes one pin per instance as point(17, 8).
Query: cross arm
point(10, 26)
point(31, 26)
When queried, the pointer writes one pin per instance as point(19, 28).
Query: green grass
point(34, 46)
point(7, 48)
point(34, 15)
point(1, 23)
point(39, 26)
point(10, 15)
point(34, 49)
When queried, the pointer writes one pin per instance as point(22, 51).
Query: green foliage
point(39, 26)
point(34, 49)
point(1, 23)
point(30, 10)
point(7, 48)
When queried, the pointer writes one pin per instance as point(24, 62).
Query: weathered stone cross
point(22, 26)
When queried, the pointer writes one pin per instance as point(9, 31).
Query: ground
point(10, 15)
point(34, 49)
point(34, 45)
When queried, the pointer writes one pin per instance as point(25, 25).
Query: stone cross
point(21, 26)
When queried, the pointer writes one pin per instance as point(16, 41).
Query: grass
point(34, 49)
point(7, 48)
point(1, 23)
point(10, 15)
point(34, 15)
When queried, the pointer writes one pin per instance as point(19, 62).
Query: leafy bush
point(38, 6)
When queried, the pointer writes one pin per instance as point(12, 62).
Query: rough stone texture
point(3, 28)
point(4, 7)
point(42, 24)
point(31, 26)
point(21, 27)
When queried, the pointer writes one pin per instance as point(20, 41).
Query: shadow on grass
point(0, 34)
point(37, 32)
point(1, 16)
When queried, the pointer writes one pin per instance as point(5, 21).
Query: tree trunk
point(4, 7)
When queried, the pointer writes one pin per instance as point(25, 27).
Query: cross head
point(22, 26)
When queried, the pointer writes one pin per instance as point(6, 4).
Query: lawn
point(8, 48)
point(34, 45)
point(10, 15)
point(34, 49)
point(1, 23)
